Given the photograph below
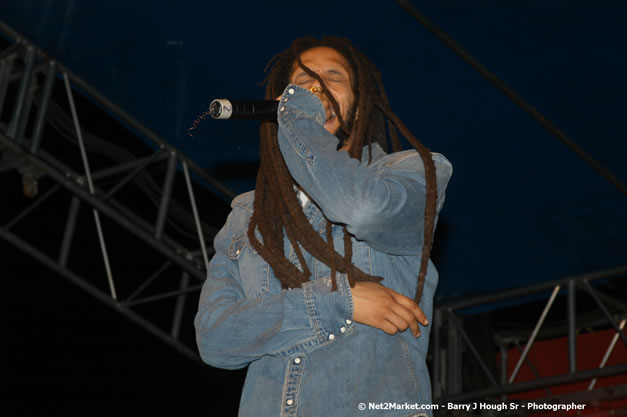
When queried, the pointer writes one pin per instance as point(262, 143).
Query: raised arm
point(382, 204)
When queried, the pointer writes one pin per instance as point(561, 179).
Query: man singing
point(321, 282)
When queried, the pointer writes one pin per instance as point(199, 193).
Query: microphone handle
point(243, 109)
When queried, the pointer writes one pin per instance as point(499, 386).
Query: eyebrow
point(335, 72)
point(332, 71)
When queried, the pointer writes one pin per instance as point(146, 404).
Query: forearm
point(376, 203)
point(233, 331)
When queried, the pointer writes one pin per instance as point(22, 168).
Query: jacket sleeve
point(382, 205)
point(233, 329)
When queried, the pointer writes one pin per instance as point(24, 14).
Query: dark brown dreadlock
point(277, 211)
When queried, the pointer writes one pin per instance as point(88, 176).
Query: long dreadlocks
point(277, 212)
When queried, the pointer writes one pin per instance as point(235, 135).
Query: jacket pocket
point(254, 270)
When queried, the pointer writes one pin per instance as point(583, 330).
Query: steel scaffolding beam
point(27, 80)
point(157, 298)
point(449, 333)
point(447, 354)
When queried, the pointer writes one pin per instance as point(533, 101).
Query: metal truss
point(450, 337)
point(453, 345)
point(63, 165)
point(156, 294)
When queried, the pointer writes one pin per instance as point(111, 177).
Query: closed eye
point(302, 80)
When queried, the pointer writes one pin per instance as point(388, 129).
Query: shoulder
point(239, 217)
point(244, 201)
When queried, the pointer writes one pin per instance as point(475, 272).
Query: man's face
point(335, 71)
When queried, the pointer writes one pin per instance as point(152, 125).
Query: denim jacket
point(305, 354)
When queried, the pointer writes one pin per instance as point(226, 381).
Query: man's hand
point(385, 309)
point(326, 104)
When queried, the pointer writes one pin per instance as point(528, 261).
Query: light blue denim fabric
point(306, 355)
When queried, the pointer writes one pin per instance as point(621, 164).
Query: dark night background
point(521, 207)
point(69, 354)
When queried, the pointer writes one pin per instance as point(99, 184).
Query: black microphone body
point(243, 109)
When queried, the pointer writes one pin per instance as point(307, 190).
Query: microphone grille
point(221, 108)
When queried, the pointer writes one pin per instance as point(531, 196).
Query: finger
point(388, 327)
point(397, 324)
point(411, 305)
point(408, 319)
point(401, 318)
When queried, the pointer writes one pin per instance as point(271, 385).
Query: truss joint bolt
point(30, 185)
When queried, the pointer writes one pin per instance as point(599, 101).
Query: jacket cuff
point(330, 312)
point(295, 100)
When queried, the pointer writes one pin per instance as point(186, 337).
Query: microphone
point(222, 108)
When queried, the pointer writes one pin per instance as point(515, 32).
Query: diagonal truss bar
point(608, 352)
point(483, 300)
point(509, 93)
point(537, 384)
point(129, 218)
point(165, 197)
point(12, 49)
point(38, 156)
point(121, 114)
point(90, 184)
point(494, 301)
point(532, 338)
point(5, 70)
point(22, 95)
point(472, 348)
point(605, 311)
point(98, 294)
point(71, 185)
point(531, 366)
point(32, 207)
point(162, 296)
point(146, 283)
point(139, 166)
point(68, 233)
point(192, 199)
point(180, 307)
point(183, 256)
point(43, 108)
point(590, 397)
